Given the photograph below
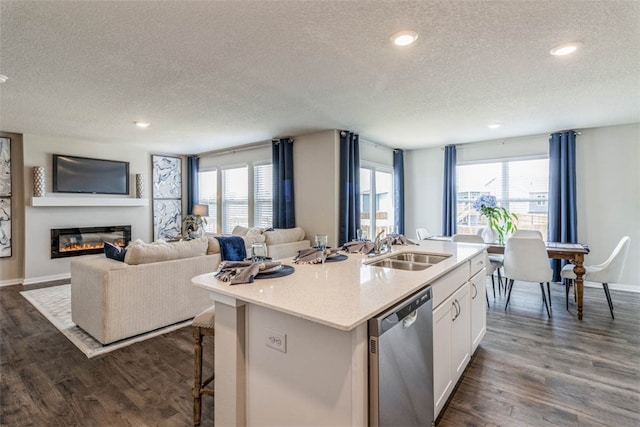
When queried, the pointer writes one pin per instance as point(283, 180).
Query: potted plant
point(499, 218)
point(194, 225)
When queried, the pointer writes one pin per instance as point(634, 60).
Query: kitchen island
point(294, 350)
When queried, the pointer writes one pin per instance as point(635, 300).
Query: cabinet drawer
point(478, 262)
point(446, 285)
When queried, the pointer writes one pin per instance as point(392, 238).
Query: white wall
point(608, 175)
point(423, 170)
point(38, 265)
point(316, 171)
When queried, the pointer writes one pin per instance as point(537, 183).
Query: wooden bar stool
point(203, 325)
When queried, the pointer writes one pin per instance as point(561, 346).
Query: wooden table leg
point(579, 270)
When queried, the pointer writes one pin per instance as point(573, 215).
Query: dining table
point(572, 252)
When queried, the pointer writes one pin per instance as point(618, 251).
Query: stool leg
point(197, 376)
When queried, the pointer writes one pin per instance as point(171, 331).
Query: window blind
point(521, 186)
point(263, 195)
point(235, 198)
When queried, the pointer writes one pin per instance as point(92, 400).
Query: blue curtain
point(449, 217)
point(193, 196)
point(284, 212)
point(349, 220)
point(398, 189)
point(563, 212)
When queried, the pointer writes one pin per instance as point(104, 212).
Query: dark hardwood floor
point(528, 370)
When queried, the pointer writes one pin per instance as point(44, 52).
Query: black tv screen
point(84, 175)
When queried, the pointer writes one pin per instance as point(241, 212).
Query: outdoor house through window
point(376, 199)
point(521, 186)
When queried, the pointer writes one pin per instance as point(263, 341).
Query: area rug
point(55, 304)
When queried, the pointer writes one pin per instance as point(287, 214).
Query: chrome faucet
point(378, 245)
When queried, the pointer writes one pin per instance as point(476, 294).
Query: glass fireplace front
point(66, 242)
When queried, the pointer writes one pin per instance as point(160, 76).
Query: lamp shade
point(201, 210)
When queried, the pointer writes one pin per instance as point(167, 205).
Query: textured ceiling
point(214, 74)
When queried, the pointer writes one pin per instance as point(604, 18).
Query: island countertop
point(341, 294)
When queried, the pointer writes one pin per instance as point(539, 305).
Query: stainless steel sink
point(419, 257)
point(409, 261)
point(400, 265)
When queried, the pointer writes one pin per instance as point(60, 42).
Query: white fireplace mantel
point(87, 201)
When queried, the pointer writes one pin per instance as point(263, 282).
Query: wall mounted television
point(85, 175)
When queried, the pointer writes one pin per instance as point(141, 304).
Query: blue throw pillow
point(232, 248)
point(114, 252)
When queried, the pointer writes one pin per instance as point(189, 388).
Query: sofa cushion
point(144, 253)
point(284, 235)
point(239, 230)
point(114, 252)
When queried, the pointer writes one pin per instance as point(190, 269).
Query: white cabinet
point(461, 347)
point(451, 345)
point(459, 324)
point(478, 308)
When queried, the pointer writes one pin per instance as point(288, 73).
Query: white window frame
point(373, 168)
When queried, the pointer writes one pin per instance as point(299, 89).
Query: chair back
point(527, 234)
point(611, 270)
point(467, 238)
point(422, 233)
point(526, 259)
point(474, 238)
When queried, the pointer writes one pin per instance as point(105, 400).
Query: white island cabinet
point(293, 350)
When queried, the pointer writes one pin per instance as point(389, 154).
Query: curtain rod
point(505, 140)
point(234, 150)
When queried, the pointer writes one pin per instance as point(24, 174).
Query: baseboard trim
point(44, 279)
point(11, 282)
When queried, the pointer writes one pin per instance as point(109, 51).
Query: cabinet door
point(478, 308)
point(442, 362)
point(460, 344)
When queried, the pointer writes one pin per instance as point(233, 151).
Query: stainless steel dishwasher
point(401, 364)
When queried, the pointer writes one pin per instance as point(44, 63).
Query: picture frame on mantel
point(166, 176)
point(5, 197)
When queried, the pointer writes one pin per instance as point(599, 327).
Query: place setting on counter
point(319, 253)
point(258, 266)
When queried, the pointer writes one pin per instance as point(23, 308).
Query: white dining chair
point(528, 234)
point(492, 266)
point(423, 233)
point(605, 273)
point(525, 259)
point(489, 235)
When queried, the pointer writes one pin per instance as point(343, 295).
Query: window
point(376, 213)
point(208, 195)
point(235, 198)
point(521, 186)
point(237, 195)
point(263, 196)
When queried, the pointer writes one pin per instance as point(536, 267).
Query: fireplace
point(66, 242)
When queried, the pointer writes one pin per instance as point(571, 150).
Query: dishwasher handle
point(399, 314)
point(410, 319)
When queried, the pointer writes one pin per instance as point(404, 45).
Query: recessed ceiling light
point(404, 38)
point(565, 49)
point(3, 78)
point(142, 124)
point(494, 125)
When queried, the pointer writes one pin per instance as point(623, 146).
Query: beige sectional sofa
point(113, 300)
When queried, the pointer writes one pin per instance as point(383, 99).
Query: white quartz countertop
point(341, 294)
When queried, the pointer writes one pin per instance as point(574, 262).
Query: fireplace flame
point(87, 246)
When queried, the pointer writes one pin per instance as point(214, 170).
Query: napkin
point(238, 272)
point(314, 255)
point(364, 247)
point(401, 240)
